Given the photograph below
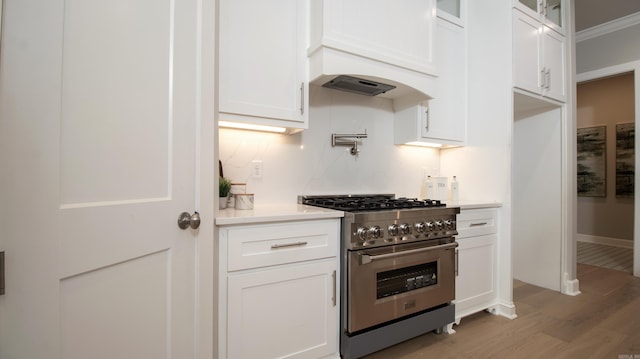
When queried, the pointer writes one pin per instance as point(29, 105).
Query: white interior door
point(100, 141)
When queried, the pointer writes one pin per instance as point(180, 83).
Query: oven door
point(391, 282)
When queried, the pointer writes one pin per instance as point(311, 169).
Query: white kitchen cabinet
point(391, 32)
point(477, 261)
point(278, 290)
point(548, 12)
point(452, 10)
point(263, 62)
point(539, 58)
point(441, 120)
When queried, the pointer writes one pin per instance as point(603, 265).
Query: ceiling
point(589, 13)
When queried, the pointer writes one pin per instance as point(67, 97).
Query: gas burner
point(376, 202)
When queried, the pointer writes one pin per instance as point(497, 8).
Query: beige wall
point(606, 102)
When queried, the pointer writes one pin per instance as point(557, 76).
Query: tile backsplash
point(306, 163)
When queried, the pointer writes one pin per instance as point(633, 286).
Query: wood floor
point(602, 322)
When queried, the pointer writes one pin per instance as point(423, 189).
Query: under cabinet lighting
point(252, 127)
point(424, 144)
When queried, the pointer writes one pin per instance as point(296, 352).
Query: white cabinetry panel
point(262, 62)
point(396, 33)
point(539, 58)
point(278, 290)
point(286, 312)
point(441, 120)
point(264, 245)
point(477, 261)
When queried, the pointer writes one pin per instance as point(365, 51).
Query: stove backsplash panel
point(306, 163)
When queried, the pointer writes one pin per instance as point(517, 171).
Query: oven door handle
point(367, 258)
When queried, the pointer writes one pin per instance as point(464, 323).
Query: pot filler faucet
point(348, 140)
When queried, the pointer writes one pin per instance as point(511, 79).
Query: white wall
point(537, 198)
point(306, 163)
point(614, 48)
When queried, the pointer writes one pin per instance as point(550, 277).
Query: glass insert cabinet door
point(550, 9)
point(451, 7)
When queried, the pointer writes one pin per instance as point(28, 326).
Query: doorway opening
point(605, 122)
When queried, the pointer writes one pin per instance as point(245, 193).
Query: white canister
point(236, 188)
point(437, 188)
point(244, 200)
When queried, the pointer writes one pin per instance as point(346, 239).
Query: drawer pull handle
point(335, 289)
point(478, 224)
point(296, 244)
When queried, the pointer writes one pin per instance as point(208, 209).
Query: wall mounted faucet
point(348, 140)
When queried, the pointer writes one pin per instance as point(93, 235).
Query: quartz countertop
point(273, 213)
point(474, 204)
point(297, 212)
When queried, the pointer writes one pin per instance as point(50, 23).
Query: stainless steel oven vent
point(359, 86)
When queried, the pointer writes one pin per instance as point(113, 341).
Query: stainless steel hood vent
point(359, 86)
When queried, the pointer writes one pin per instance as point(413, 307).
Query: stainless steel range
point(398, 268)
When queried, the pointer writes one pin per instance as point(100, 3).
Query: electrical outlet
point(256, 169)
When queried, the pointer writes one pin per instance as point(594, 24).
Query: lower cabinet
point(477, 261)
point(278, 290)
point(287, 312)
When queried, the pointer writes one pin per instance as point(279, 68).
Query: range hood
point(332, 68)
point(358, 85)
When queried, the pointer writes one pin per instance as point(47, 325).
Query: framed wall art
point(625, 159)
point(592, 161)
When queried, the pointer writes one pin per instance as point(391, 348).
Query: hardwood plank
point(602, 322)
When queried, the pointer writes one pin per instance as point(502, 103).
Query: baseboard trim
point(571, 287)
point(503, 309)
point(615, 242)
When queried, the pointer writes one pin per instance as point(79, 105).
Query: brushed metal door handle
point(186, 220)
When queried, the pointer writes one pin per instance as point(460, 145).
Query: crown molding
point(608, 27)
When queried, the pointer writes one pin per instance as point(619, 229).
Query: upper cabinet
point(441, 120)
point(263, 62)
point(451, 10)
point(376, 40)
point(539, 57)
point(549, 12)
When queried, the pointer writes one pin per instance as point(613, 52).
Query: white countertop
point(274, 213)
point(298, 212)
point(474, 204)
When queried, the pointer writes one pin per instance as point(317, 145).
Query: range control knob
point(420, 227)
point(393, 230)
point(375, 232)
point(439, 225)
point(430, 226)
point(449, 224)
point(405, 228)
point(363, 233)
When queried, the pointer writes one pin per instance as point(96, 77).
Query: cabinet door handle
point(548, 78)
point(543, 78)
point(457, 257)
point(478, 224)
point(286, 245)
point(302, 98)
point(426, 119)
point(2, 273)
point(335, 289)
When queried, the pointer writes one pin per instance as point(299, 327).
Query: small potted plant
point(224, 188)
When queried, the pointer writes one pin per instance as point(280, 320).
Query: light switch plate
point(256, 169)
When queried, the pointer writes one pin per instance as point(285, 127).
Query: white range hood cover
point(411, 87)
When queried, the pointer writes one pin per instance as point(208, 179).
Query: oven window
point(406, 279)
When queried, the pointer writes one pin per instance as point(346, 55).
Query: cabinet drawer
point(476, 222)
point(272, 244)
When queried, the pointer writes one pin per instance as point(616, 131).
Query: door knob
point(189, 220)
